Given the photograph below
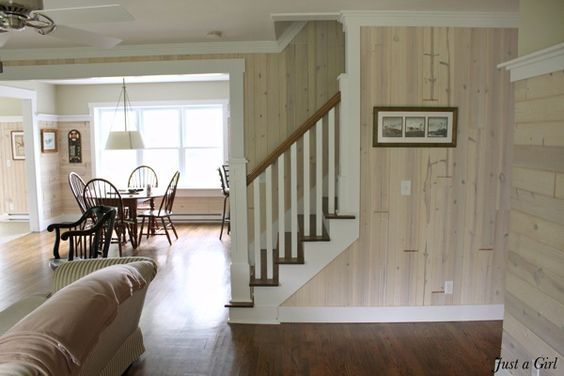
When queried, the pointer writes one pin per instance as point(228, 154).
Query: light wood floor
point(186, 332)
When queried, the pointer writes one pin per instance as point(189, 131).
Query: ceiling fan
point(19, 15)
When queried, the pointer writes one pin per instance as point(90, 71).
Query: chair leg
point(141, 230)
point(132, 235)
point(223, 217)
point(172, 226)
point(166, 231)
point(118, 233)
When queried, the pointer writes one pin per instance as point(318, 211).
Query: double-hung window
point(190, 137)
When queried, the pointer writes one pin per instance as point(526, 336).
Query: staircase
point(294, 224)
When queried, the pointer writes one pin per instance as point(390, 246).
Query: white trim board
point(541, 62)
point(432, 18)
point(391, 314)
point(276, 315)
point(46, 117)
point(67, 71)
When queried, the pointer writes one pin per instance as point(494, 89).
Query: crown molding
point(541, 62)
point(194, 48)
point(431, 18)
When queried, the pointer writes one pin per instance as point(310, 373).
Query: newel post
point(349, 122)
point(240, 272)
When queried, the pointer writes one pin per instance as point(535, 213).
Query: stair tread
point(313, 237)
point(264, 281)
point(339, 216)
point(334, 215)
point(288, 259)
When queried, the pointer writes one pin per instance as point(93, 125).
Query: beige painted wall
point(45, 95)
point(541, 24)
point(454, 225)
point(10, 107)
point(74, 99)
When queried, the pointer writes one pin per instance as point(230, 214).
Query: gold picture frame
point(49, 141)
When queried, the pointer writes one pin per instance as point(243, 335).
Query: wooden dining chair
point(142, 176)
point(89, 237)
point(100, 192)
point(164, 212)
point(77, 188)
point(225, 189)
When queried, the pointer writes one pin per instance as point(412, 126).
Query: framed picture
point(18, 151)
point(414, 126)
point(48, 140)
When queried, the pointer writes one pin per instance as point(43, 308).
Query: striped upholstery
point(73, 270)
point(132, 348)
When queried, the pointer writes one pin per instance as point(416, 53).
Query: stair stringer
point(317, 255)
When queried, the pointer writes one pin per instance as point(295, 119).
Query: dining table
point(131, 199)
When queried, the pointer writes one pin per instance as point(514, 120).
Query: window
point(190, 138)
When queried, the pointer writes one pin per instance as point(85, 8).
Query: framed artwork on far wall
point(18, 150)
point(414, 127)
point(48, 140)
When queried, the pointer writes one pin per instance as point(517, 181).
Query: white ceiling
point(180, 21)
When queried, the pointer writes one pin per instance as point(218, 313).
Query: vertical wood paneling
point(13, 188)
point(50, 179)
point(84, 169)
point(453, 225)
point(534, 307)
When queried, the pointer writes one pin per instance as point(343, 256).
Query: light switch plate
point(406, 187)
point(448, 287)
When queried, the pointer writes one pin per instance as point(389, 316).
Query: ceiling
point(181, 21)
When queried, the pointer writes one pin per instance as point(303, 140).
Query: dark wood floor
point(186, 331)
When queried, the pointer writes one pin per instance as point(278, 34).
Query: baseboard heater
point(196, 217)
point(16, 217)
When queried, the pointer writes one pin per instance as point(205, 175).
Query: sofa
point(87, 325)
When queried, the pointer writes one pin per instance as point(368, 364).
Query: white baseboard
point(255, 315)
point(272, 315)
point(391, 314)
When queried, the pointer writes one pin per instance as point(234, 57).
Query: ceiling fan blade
point(83, 37)
point(4, 38)
point(92, 14)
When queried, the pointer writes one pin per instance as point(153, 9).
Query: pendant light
point(126, 139)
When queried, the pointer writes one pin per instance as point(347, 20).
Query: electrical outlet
point(406, 187)
point(448, 287)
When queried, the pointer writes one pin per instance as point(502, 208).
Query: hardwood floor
point(186, 332)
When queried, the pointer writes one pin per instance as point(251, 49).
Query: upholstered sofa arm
point(73, 270)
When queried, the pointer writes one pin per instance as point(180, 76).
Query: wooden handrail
point(293, 137)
